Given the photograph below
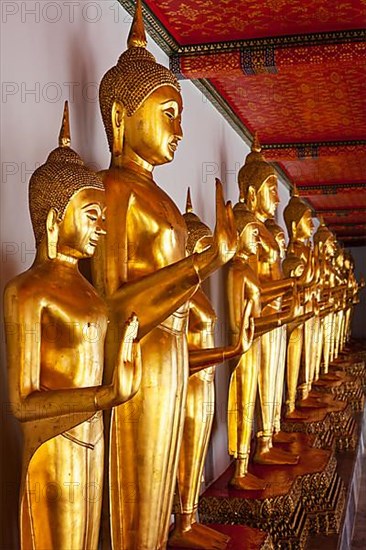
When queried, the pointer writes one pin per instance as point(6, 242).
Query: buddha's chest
point(74, 318)
point(156, 229)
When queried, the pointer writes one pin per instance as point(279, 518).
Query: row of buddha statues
point(109, 378)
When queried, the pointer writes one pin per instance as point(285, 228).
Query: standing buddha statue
point(143, 265)
point(258, 189)
point(188, 533)
point(301, 352)
point(324, 243)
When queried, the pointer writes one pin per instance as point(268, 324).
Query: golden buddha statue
point(324, 243)
point(242, 287)
point(351, 290)
point(143, 265)
point(342, 288)
point(258, 189)
point(279, 235)
point(201, 399)
point(56, 325)
point(298, 220)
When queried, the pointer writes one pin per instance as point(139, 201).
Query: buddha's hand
point(225, 237)
point(246, 329)
point(127, 373)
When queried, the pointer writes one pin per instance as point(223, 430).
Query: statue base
point(331, 421)
point(300, 499)
point(342, 386)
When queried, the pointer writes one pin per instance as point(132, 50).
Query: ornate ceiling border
point(302, 145)
point(313, 39)
point(330, 189)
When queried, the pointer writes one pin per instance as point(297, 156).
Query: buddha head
point(339, 256)
point(199, 234)
point(258, 183)
point(347, 260)
point(298, 218)
point(324, 239)
point(66, 202)
point(248, 229)
point(278, 234)
point(141, 104)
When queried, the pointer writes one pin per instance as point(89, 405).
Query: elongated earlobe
point(293, 228)
point(252, 198)
point(118, 125)
point(52, 227)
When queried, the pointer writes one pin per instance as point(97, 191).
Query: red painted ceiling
point(199, 21)
point(303, 92)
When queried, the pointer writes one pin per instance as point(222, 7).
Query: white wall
point(359, 317)
point(59, 52)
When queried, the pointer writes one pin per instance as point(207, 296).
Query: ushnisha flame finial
point(295, 191)
point(321, 220)
point(256, 146)
point(189, 207)
point(137, 35)
point(64, 139)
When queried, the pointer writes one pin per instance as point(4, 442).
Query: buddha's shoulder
point(26, 285)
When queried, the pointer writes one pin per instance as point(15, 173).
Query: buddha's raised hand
point(127, 374)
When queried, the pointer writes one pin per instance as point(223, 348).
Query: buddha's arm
point(202, 358)
point(157, 295)
point(326, 311)
point(282, 285)
point(299, 320)
point(269, 322)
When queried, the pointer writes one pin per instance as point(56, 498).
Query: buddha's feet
point(198, 539)
point(248, 482)
point(275, 457)
point(283, 437)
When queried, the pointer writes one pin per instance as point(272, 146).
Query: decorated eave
point(292, 70)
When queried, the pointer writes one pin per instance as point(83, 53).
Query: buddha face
point(330, 246)
point(267, 198)
point(249, 239)
point(305, 226)
point(82, 224)
point(152, 133)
